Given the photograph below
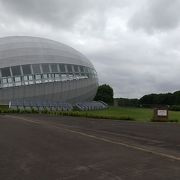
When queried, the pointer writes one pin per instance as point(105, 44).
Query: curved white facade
point(37, 68)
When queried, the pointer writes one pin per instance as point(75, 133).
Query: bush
point(105, 94)
point(173, 120)
point(175, 108)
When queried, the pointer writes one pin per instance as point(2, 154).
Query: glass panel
point(56, 75)
point(50, 76)
point(25, 78)
point(86, 69)
point(5, 72)
point(81, 69)
point(64, 77)
point(76, 68)
point(45, 68)
point(17, 79)
point(26, 69)
point(36, 69)
point(54, 68)
point(62, 68)
point(4, 80)
point(30, 78)
point(69, 68)
point(10, 80)
point(45, 76)
point(16, 71)
point(71, 77)
point(38, 76)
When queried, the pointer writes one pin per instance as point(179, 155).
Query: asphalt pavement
point(43, 147)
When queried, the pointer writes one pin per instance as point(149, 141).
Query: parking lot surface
point(43, 147)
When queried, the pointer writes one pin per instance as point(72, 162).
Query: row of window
point(38, 78)
point(32, 69)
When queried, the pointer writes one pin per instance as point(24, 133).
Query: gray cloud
point(133, 62)
point(51, 12)
point(157, 15)
point(60, 13)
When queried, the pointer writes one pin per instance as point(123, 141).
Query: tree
point(125, 102)
point(105, 94)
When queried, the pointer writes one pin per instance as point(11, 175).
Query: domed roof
point(18, 50)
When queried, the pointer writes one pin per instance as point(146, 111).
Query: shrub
point(175, 108)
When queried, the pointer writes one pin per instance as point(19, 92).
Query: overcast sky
point(133, 44)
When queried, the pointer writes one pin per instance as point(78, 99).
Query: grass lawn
point(138, 114)
point(174, 115)
point(119, 113)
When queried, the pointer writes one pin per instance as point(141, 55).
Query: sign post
point(161, 114)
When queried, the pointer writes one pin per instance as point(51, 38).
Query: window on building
point(62, 68)
point(86, 69)
point(69, 68)
point(45, 76)
point(4, 80)
point(25, 78)
point(38, 77)
point(5, 72)
point(52, 75)
point(26, 69)
point(17, 79)
point(54, 68)
point(82, 69)
point(45, 68)
point(76, 69)
point(10, 80)
point(36, 69)
point(70, 77)
point(56, 75)
point(64, 77)
point(30, 77)
point(16, 71)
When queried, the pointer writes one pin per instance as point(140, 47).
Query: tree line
point(105, 93)
point(161, 99)
point(150, 100)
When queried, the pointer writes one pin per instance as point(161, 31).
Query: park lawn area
point(118, 113)
point(138, 114)
point(174, 115)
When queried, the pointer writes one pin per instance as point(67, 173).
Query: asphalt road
point(42, 147)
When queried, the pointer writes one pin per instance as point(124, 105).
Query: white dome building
point(33, 68)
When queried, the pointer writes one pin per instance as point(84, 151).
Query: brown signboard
point(161, 114)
